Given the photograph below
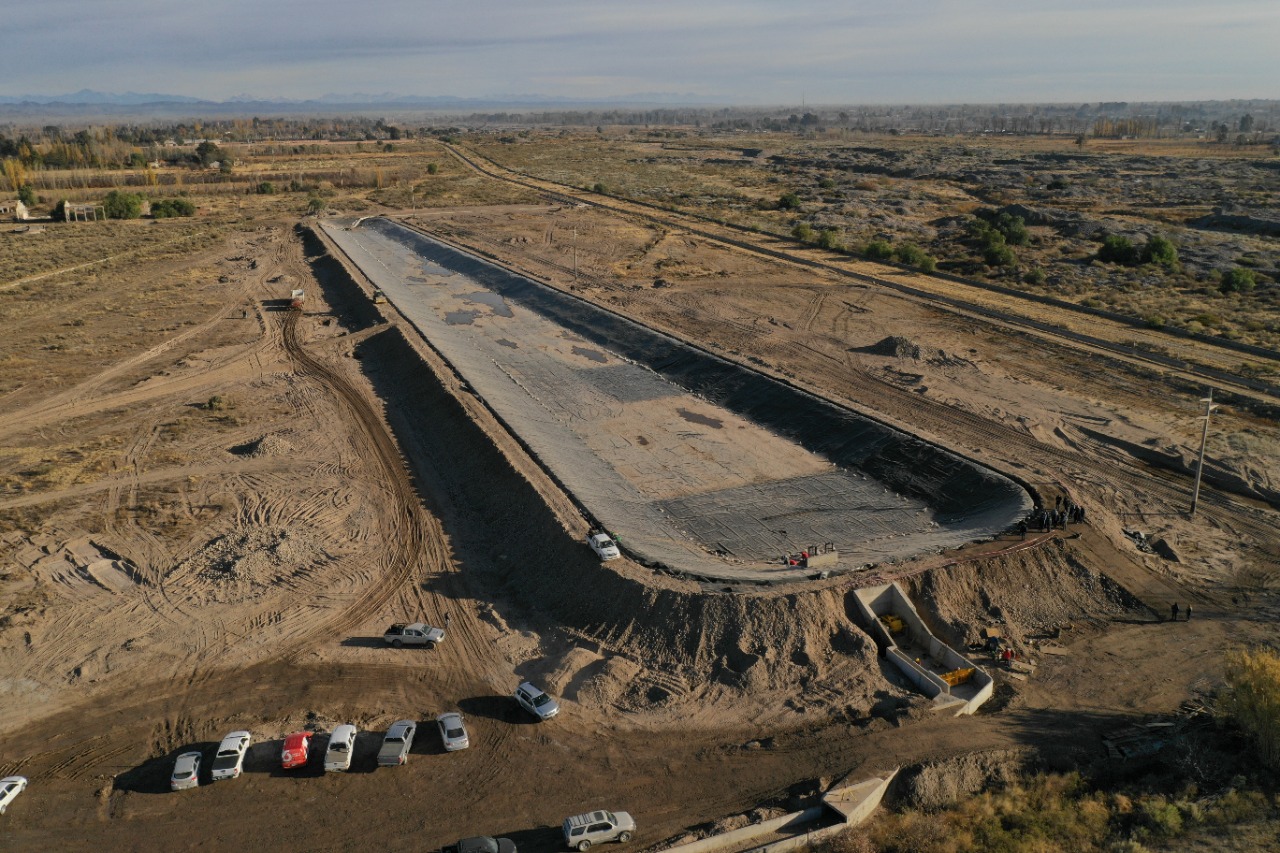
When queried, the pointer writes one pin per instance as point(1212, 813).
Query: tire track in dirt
point(406, 532)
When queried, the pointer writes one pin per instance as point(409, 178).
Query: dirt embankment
point(1039, 592)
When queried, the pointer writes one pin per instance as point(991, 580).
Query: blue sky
point(743, 52)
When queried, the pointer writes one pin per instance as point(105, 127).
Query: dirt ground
point(213, 506)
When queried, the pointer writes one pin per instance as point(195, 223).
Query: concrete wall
point(847, 806)
point(875, 601)
point(738, 837)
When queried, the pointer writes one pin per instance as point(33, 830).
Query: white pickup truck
point(417, 634)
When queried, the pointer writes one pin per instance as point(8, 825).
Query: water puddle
point(492, 300)
point(702, 420)
point(461, 318)
point(593, 354)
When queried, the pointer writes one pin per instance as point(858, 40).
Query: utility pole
point(1204, 439)
point(575, 254)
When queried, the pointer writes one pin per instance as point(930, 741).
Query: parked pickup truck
point(481, 844)
point(417, 634)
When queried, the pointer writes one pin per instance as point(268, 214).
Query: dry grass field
point(211, 507)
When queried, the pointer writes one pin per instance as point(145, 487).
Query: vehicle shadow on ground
point(504, 709)
point(365, 642)
point(152, 776)
point(541, 838)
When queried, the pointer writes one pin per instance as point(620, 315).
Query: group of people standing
point(1065, 511)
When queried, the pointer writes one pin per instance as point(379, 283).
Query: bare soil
point(176, 567)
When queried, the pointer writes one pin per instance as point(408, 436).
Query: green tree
point(122, 205)
point(878, 250)
point(1238, 280)
point(432, 168)
point(1000, 255)
point(265, 188)
point(1161, 251)
point(208, 153)
point(1253, 699)
point(789, 201)
point(27, 195)
point(1014, 229)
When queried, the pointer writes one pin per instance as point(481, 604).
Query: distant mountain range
point(88, 100)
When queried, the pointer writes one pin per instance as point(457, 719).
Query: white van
point(342, 743)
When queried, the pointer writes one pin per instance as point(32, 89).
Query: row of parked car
point(228, 761)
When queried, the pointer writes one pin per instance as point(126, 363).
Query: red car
point(296, 748)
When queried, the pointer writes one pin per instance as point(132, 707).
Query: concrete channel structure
point(700, 465)
point(842, 807)
point(921, 657)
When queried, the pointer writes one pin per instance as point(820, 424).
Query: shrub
point(27, 195)
point(909, 253)
point(122, 205)
point(1035, 276)
point(829, 239)
point(1117, 249)
point(265, 188)
point(432, 168)
point(878, 250)
point(165, 208)
point(802, 232)
point(789, 201)
point(1238, 280)
point(1162, 252)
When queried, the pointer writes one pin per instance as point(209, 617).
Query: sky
point(712, 51)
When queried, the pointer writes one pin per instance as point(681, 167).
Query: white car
point(452, 731)
point(229, 761)
point(10, 788)
point(186, 772)
point(342, 743)
point(604, 546)
point(582, 831)
point(536, 702)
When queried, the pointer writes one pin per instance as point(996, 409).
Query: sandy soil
point(175, 566)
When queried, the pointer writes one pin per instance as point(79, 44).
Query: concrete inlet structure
point(700, 465)
point(952, 681)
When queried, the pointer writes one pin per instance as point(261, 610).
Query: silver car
point(342, 743)
point(10, 788)
point(186, 772)
point(396, 745)
point(582, 831)
point(452, 731)
point(536, 702)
